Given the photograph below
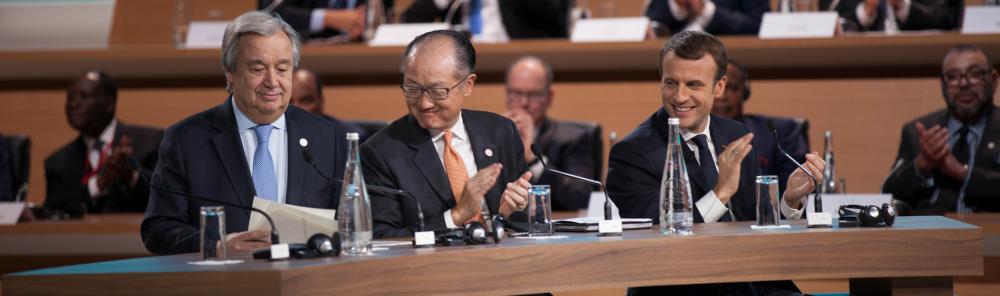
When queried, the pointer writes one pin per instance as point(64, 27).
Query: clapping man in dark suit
point(949, 160)
point(92, 173)
point(567, 145)
point(250, 145)
point(716, 150)
point(720, 17)
point(450, 159)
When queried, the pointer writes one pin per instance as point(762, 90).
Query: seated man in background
point(250, 145)
point(567, 145)
point(719, 17)
point(92, 173)
point(948, 160)
point(875, 15)
point(451, 160)
point(770, 160)
point(320, 19)
point(716, 150)
point(499, 20)
point(307, 93)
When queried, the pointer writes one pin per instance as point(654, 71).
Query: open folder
point(295, 223)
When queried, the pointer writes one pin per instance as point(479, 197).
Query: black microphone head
point(536, 150)
point(308, 155)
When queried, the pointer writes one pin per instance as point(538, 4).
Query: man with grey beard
point(949, 160)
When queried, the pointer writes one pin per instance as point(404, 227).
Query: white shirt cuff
point(711, 208)
point(679, 12)
point(791, 213)
point(537, 169)
point(317, 20)
point(92, 187)
point(903, 12)
point(866, 20)
point(448, 222)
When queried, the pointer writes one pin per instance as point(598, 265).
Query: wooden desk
point(722, 252)
point(43, 244)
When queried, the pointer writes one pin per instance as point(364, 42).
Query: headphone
point(318, 245)
point(867, 216)
point(474, 233)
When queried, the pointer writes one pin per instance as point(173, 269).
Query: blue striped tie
point(263, 167)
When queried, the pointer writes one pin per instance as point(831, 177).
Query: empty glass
point(767, 201)
point(213, 233)
point(540, 211)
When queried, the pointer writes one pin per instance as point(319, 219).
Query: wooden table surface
point(719, 252)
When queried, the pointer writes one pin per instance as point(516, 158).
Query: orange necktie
point(455, 168)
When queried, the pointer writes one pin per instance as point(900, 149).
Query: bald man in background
point(307, 93)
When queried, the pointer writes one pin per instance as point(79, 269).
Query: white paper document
point(295, 223)
point(798, 25)
point(981, 20)
point(402, 34)
point(621, 29)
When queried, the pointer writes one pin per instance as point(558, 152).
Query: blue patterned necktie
point(263, 166)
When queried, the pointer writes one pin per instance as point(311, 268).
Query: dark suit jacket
point(402, 156)
point(6, 184)
point(732, 17)
point(982, 191)
point(64, 171)
point(523, 19)
point(770, 160)
point(924, 15)
point(570, 148)
point(202, 156)
point(298, 13)
point(635, 169)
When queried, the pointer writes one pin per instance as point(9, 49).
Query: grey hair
point(255, 22)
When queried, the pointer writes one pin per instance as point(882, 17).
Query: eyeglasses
point(533, 96)
point(974, 75)
point(413, 93)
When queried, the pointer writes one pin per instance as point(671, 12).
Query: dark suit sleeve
point(848, 10)
point(904, 183)
point(568, 193)
point(425, 11)
point(632, 184)
point(743, 20)
point(933, 14)
point(793, 142)
point(982, 190)
point(293, 13)
point(59, 192)
point(166, 228)
point(387, 210)
point(6, 185)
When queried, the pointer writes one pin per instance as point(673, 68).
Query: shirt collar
point(457, 131)
point(976, 128)
point(244, 123)
point(106, 136)
point(688, 134)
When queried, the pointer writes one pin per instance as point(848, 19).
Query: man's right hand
point(474, 192)
point(933, 147)
point(247, 241)
point(730, 162)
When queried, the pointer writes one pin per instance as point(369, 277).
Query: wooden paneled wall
point(864, 114)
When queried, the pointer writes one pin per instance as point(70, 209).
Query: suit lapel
point(485, 152)
point(427, 161)
point(296, 163)
point(230, 152)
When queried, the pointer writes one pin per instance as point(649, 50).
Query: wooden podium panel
point(932, 249)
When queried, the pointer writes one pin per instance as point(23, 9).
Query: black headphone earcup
point(320, 243)
point(475, 232)
point(870, 216)
point(888, 214)
point(335, 242)
point(498, 230)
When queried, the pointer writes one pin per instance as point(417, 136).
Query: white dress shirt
point(277, 144)
point(700, 22)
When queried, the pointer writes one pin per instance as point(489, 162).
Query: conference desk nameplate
point(917, 247)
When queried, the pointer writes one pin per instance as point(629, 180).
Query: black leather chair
point(593, 133)
point(19, 150)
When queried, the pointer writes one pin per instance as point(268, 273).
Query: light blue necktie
point(263, 166)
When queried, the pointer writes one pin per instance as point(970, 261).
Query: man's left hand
point(526, 128)
point(800, 184)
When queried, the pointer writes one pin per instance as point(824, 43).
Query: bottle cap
point(673, 121)
point(352, 136)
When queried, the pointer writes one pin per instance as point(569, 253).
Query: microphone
point(818, 201)
point(391, 191)
point(138, 168)
point(607, 200)
point(451, 11)
point(272, 6)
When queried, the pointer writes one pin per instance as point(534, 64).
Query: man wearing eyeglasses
point(567, 146)
point(949, 160)
point(460, 165)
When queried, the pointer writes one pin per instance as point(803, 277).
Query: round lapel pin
point(489, 152)
point(303, 142)
point(990, 145)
